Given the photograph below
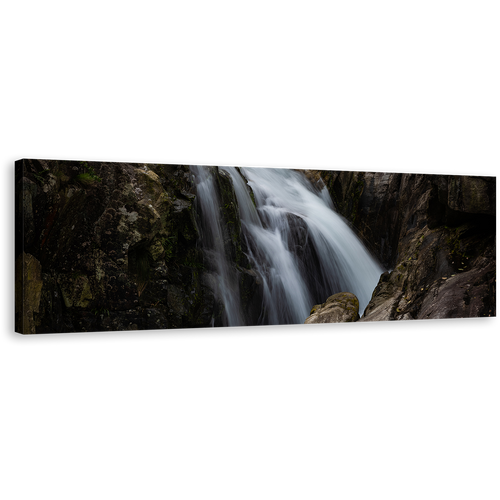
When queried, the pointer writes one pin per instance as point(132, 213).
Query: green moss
point(89, 177)
point(41, 176)
point(86, 179)
point(169, 243)
point(101, 311)
point(315, 308)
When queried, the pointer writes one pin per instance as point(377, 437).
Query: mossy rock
point(315, 308)
point(87, 180)
point(342, 307)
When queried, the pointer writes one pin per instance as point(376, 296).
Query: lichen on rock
point(110, 250)
point(342, 307)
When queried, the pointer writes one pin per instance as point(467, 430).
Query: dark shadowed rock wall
point(110, 246)
point(435, 233)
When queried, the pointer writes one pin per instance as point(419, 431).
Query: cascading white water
point(226, 280)
point(301, 248)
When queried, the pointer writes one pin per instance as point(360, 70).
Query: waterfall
point(300, 248)
point(225, 278)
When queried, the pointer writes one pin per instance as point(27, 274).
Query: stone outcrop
point(116, 246)
point(435, 233)
point(445, 273)
point(339, 308)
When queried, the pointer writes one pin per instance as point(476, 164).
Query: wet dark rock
point(296, 235)
point(252, 296)
point(117, 245)
point(383, 207)
point(231, 218)
point(430, 230)
point(27, 190)
point(442, 273)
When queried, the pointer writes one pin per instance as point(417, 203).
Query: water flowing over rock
point(314, 241)
point(218, 239)
point(296, 245)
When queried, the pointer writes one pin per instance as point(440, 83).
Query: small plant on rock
point(86, 179)
point(41, 176)
point(89, 177)
point(100, 312)
point(168, 244)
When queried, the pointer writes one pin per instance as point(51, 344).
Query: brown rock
point(28, 292)
point(339, 308)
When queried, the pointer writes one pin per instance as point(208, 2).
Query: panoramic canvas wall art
point(126, 246)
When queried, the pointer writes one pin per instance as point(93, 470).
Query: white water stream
point(302, 250)
point(226, 279)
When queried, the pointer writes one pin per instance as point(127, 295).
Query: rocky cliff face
point(111, 247)
point(436, 235)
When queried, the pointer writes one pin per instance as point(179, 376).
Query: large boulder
point(339, 308)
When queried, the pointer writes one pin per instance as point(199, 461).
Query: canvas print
point(125, 246)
